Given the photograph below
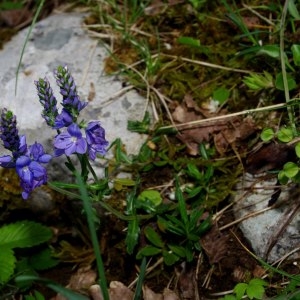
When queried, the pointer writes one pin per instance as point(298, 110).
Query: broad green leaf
point(7, 264)
point(153, 237)
point(255, 292)
point(240, 290)
point(24, 234)
point(282, 178)
point(229, 297)
point(257, 281)
point(151, 195)
point(43, 260)
point(148, 251)
point(285, 134)
point(297, 149)
point(290, 169)
point(221, 94)
point(255, 289)
point(296, 54)
point(290, 81)
point(267, 134)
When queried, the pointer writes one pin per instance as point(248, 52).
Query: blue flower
point(32, 174)
point(70, 142)
point(37, 153)
point(64, 119)
point(47, 100)
point(95, 137)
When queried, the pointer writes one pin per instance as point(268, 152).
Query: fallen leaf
point(117, 291)
point(186, 281)
point(226, 133)
point(214, 244)
point(170, 295)
point(150, 295)
point(270, 156)
point(82, 279)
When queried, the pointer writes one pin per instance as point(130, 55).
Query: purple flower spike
point(95, 137)
point(26, 160)
point(71, 101)
point(47, 100)
point(70, 141)
point(11, 139)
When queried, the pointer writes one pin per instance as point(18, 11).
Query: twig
point(205, 122)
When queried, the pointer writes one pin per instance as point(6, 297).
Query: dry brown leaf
point(95, 292)
point(82, 279)
point(186, 281)
point(270, 156)
point(226, 133)
point(170, 295)
point(148, 294)
point(117, 291)
point(215, 245)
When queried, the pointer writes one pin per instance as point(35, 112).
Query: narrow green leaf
point(24, 234)
point(189, 41)
point(153, 237)
point(148, 251)
point(193, 171)
point(292, 9)
point(181, 202)
point(170, 258)
point(52, 285)
point(7, 263)
point(296, 54)
point(270, 50)
point(132, 235)
point(178, 250)
point(139, 284)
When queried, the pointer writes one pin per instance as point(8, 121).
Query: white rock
point(263, 229)
point(60, 40)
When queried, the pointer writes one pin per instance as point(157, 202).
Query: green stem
point(89, 213)
point(290, 109)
